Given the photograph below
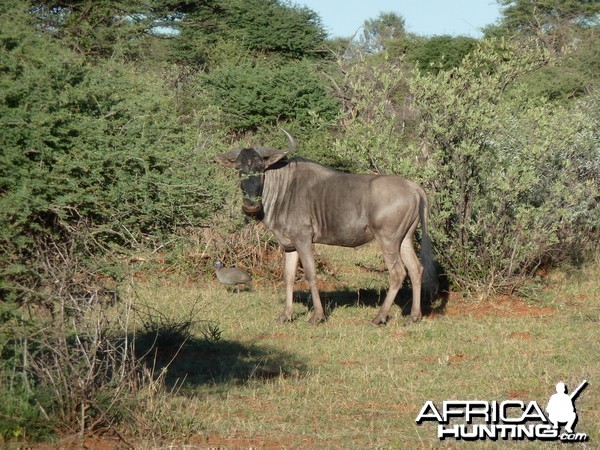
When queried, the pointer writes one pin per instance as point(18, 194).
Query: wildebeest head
point(251, 164)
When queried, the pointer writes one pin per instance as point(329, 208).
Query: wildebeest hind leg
point(397, 275)
point(415, 271)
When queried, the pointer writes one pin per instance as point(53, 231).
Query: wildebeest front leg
point(310, 273)
point(289, 275)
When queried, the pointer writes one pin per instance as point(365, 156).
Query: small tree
point(379, 31)
point(375, 116)
point(376, 35)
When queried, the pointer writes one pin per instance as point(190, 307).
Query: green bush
point(252, 94)
point(101, 145)
point(510, 175)
point(509, 179)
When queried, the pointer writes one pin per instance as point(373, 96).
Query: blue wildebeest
point(303, 202)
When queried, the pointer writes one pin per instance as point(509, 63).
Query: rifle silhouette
point(578, 389)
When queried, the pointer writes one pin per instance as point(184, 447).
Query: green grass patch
point(348, 384)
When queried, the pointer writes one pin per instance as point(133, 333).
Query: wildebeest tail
point(430, 280)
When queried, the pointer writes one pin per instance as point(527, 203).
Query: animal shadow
point(192, 361)
point(373, 298)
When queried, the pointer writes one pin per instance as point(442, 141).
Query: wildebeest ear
point(228, 159)
point(271, 156)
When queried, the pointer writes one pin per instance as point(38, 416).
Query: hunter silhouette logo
point(561, 408)
point(510, 419)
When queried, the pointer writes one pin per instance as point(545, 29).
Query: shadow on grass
point(374, 298)
point(190, 361)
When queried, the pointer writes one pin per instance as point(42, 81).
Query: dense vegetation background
point(111, 112)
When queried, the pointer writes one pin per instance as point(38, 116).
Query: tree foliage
point(375, 117)
point(532, 17)
point(99, 28)
point(569, 30)
point(252, 95)
point(440, 53)
point(378, 32)
point(261, 26)
point(556, 23)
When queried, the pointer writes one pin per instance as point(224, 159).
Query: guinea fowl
point(232, 276)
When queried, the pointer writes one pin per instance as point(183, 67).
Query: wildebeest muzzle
point(251, 207)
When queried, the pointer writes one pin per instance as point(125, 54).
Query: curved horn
point(293, 142)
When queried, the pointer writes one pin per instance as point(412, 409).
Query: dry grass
point(348, 384)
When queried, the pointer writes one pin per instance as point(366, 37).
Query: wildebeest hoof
point(412, 319)
point(284, 318)
point(316, 319)
point(378, 321)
